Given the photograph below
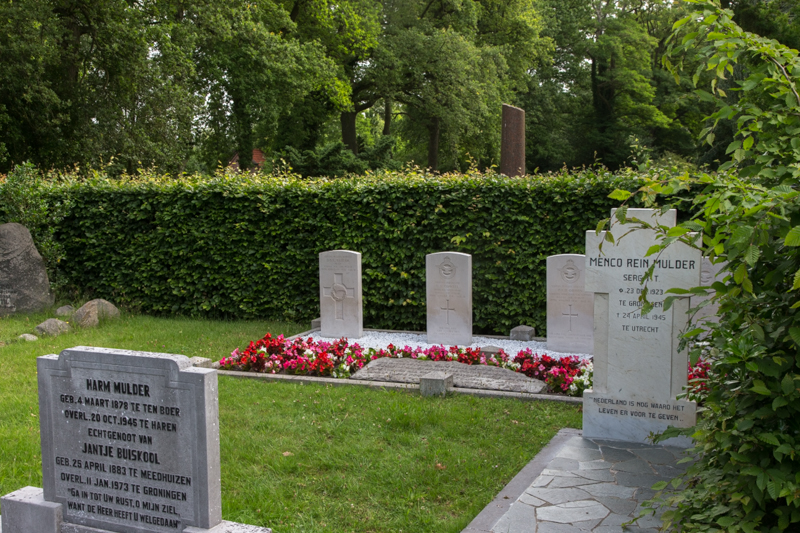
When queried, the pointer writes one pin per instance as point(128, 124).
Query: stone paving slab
point(586, 486)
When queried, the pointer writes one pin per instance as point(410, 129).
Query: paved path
point(581, 485)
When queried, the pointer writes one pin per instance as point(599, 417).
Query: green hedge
point(245, 246)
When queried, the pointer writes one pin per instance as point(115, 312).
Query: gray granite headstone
point(570, 309)
point(448, 280)
point(403, 370)
point(130, 440)
point(638, 369)
point(340, 301)
point(130, 444)
point(24, 287)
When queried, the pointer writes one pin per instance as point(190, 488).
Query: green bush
point(238, 245)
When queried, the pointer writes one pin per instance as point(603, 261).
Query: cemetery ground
point(307, 458)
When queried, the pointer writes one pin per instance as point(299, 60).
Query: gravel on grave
point(379, 339)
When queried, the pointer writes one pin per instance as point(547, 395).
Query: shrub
point(240, 245)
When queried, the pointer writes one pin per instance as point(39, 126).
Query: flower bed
point(568, 375)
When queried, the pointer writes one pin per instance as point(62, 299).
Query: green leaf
point(661, 485)
point(787, 383)
point(796, 283)
point(794, 333)
point(740, 273)
point(769, 438)
point(793, 237)
point(620, 194)
point(760, 388)
point(748, 142)
point(726, 521)
point(752, 254)
point(677, 231)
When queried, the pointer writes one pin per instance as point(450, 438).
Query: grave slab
point(638, 371)
point(340, 299)
point(570, 309)
point(464, 376)
point(448, 280)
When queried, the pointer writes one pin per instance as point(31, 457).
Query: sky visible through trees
point(330, 87)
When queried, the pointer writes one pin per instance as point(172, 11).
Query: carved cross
point(339, 291)
point(570, 315)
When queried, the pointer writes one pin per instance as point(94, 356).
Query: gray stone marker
point(24, 287)
point(523, 333)
point(570, 309)
point(464, 376)
point(638, 371)
point(435, 383)
point(340, 301)
point(130, 444)
point(448, 281)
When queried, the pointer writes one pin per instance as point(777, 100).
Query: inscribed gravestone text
point(570, 309)
point(130, 440)
point(449, 298)
point(638, 369)
point(341, 310)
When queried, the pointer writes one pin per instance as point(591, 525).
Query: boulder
point(28, 337)
point(53, 327)
point(523, 333)
point(65, 310)
point(24, 287)
point(92, 312)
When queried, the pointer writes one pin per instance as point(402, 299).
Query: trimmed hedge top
point(243, 246)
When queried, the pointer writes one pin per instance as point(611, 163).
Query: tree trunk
point(349, 130)
point(433, 145)
point(387, 116)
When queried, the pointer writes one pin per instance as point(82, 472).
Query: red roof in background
point(258, 159)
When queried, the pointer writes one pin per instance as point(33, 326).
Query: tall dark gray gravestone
point(130, 444)
point(24, 287)
point(512, 141)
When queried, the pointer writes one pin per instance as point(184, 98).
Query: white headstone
point(340, 302)
point(448, 280)
point(709, 273)
point(638, 371)
point(570, 309)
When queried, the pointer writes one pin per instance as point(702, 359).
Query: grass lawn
point(307, 458)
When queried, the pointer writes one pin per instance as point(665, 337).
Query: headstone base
point(26, 511)
point(632, 419)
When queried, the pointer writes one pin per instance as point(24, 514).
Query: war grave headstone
point(24, 287)
point(448, 281)
point(340, 300)
point(638, 371)
point(570, 309)
point(130, 444)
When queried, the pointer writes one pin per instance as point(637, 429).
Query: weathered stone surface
point(316, 323)
point(512, 142)
point(24, 287)
point(638, 370)
point(150, 413)
point(523, 333)
point(464, 376)
point(435, 383)
point(28, 337)
point(65, 310)
point(26, 511)
point(53, 327)
point(92, 312)
point(340, 301)
point(570, 309)
point(448, 288)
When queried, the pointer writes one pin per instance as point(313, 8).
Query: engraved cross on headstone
point(570, 315)
point(339, 291)
point(447, 310)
